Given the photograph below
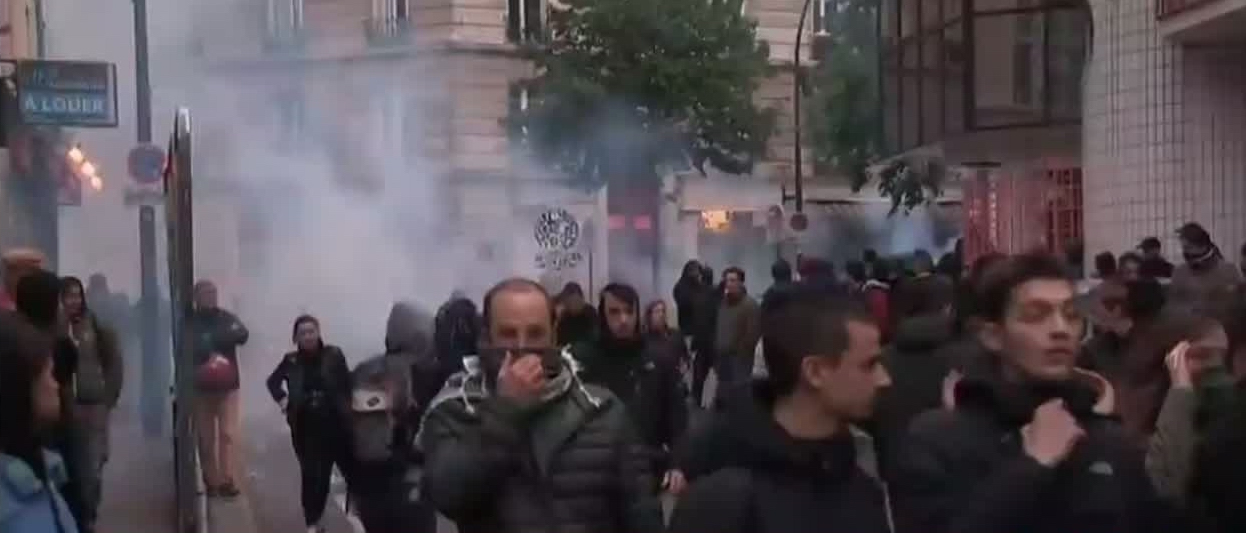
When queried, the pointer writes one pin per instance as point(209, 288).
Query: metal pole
point(41, 40)
point(797, 88)
point(155, 374)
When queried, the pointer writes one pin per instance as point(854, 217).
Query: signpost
point(146, 164)
point(67, 93)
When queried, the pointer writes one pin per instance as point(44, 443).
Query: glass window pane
point(932, 88)
point(1008, 68)
point(908, 18)
point(954, 77)
point(1067, 42)
point(930, 15)
point(911, 99)
point(891, 111)
point(952, 9)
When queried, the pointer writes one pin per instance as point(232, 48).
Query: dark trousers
point(318, 445)
point(387, 498)
point(702, 362)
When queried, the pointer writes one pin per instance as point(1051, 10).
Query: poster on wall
point(557, 235)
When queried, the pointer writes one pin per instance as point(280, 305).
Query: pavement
point(138, 480)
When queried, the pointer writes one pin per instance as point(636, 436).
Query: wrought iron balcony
point(387, 31)
point(1169, 8)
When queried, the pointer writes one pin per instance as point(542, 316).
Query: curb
point(223, 515)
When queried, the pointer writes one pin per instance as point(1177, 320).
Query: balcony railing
point(1169, 8)
point(387, 31)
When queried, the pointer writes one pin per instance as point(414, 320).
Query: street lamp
point(84, 168)
point(797, 87)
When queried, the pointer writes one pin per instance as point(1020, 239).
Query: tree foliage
point(845, 123)
point(625, 86)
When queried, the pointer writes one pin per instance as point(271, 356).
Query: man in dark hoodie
point(784, 457)
point(917, 362)
point(646, 380)
point(577, 320)
point(385, 465)
point(1025, 448)
point(781, 274)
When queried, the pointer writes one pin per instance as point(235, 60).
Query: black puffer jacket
point(575, 466)
point(964, 470)
point(765, 481)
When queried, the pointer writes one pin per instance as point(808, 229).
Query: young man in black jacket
point(1027, 447)
point(644, 378)
point(784, 457)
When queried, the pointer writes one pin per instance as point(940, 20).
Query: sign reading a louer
point(67, 93)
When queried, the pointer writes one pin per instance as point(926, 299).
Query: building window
point(519, 99)
point(285, 19)
point(525, 20)
point(956, 65)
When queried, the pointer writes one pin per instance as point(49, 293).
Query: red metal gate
point(1011, 211)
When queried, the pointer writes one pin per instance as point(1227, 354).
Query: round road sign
point(146, 163)
point(799, 221)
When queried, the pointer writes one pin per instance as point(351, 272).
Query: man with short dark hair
point(1026, 446)
point(643, 375)
point(784, 456)
point(518, 444)
point(736, 331)
point(1154, 265)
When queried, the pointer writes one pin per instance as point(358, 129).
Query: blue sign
point(146, 163)
point(67, 93)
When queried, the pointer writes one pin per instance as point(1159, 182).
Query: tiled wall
point(1164, 132)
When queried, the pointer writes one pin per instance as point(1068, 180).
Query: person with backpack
point(785, 456)
point(312, 386)
point(390, 394)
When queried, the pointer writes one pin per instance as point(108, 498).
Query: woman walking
point(312, 386)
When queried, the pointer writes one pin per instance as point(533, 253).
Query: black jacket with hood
point(573, 465)
point(917, 364)
point(964, 470)
point(758, 479)
point(645, 376)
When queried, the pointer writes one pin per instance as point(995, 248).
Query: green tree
point(845, 125)
point(626, 86)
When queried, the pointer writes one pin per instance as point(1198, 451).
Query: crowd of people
point(907, 396)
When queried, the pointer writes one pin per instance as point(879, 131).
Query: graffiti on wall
point(557, 234)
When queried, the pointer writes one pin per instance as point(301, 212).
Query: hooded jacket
point(574, 465)
point(964, 470)
point(758, 479)
point(644, 375)
point(917, 364)
point(409, 354)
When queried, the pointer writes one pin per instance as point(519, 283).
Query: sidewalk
point(138, 481)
